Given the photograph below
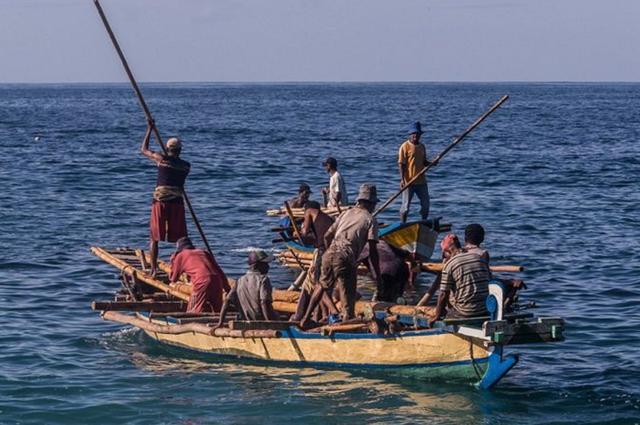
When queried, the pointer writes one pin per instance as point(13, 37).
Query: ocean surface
point(553, 176)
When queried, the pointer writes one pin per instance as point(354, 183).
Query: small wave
point(253, 248)
point(18, 265)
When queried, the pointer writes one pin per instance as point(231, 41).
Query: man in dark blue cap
point(412, 158)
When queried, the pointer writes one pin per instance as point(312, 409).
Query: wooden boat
point(385, 336)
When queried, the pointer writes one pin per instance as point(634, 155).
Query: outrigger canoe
point(386, 336)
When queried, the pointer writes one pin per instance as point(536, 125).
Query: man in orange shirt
point(412, 158)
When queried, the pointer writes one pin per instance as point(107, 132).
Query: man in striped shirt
point(464, 284)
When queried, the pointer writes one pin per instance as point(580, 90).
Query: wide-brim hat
point(259, 256)
point(368, 192)
point(416, 127)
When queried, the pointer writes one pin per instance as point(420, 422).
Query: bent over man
point(345, 240)
point(206, 277)
point(167, 208)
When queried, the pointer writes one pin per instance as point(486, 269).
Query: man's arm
point(330, 233)
point(176, 268)
point(402, 167)
point(144, 148)
point(374, 260)
point(402, 164)
point(225, 306)
point(432, 290)
point(306, 224)
point(266, 301)
point(443, 298)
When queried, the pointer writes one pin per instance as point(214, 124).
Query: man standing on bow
point(412, 159)
point(337, 191)
point(345, 240)
point(167, 208)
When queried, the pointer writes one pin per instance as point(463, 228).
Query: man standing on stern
point(412, 159)
point(167, 208)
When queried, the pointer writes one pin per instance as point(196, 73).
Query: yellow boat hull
point(410, 349)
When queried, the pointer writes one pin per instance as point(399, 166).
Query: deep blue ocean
point(553, 176)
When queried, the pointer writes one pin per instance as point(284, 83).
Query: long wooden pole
point(147, 112)
point(443, 153)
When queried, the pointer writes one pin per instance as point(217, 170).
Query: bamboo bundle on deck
point(299, 212)
point(137, 273)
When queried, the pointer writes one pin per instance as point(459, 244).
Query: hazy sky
point(322, 40)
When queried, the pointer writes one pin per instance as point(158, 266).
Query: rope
point(474, 363)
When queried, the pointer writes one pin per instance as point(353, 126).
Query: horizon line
point(284, 82)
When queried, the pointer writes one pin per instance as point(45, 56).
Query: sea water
point(553, 177)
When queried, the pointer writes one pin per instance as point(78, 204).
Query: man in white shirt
point(337, 191)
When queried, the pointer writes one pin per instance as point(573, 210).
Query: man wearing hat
point(337, 191)
point(251, 295)
point(345, 240)
point(303, 196)
point(412, 158)
point(464, 283)
point(206, 277)
point(167, 208)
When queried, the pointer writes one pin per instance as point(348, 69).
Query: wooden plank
point(158, 306)
point(198, 328)
point(260, 324)
point(481, 319)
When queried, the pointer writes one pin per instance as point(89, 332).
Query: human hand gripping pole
point(147, 113)
point(442, 154)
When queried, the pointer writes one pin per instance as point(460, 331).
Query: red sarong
point(167, 221)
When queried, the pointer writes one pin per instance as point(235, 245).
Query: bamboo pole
point(147, 113)
point(294, 225)
point(442, 154)
point(437, 267)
